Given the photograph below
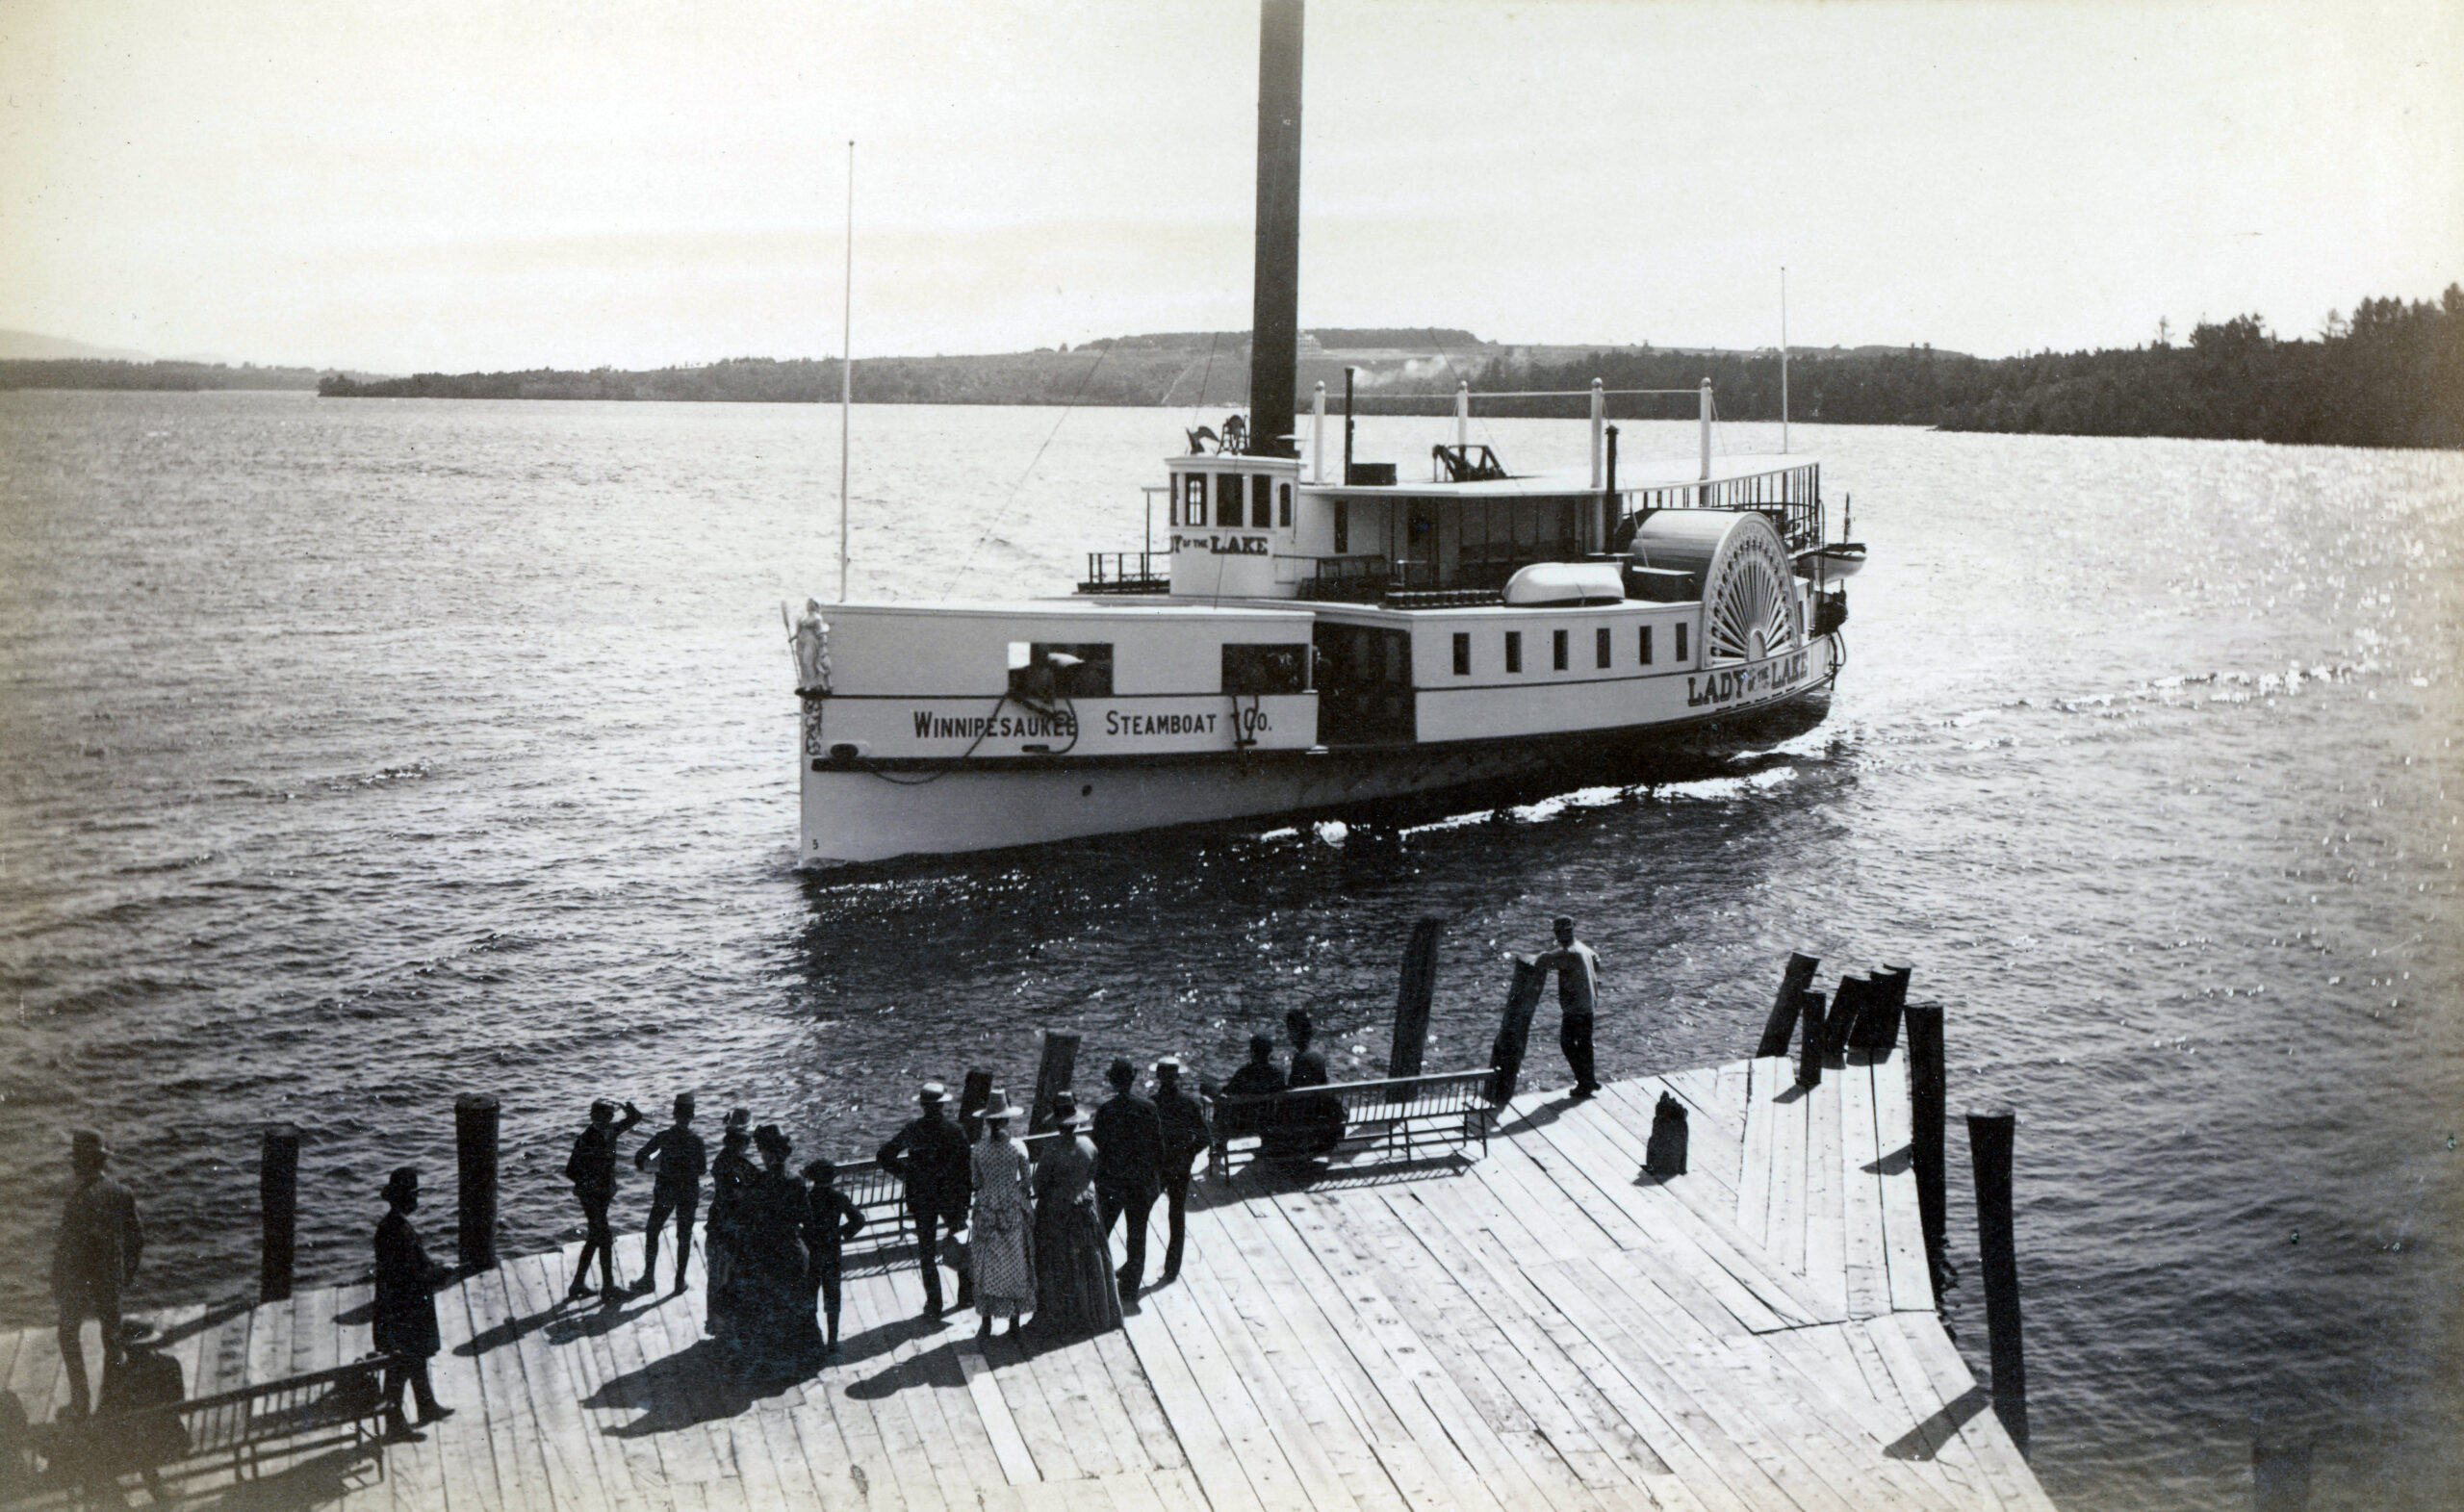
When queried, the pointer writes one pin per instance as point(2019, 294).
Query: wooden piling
point(1877, 1028)
point(1052, 1077)
point(476, 1122)
point(1847, 1006)
point(1412, 1001)
point(1793, 983)
point(975, 1095)
point(1514, 1033)
point(1927, 1096)
point(1990, 1138)
point(278, 1200)
point(1810, 1058)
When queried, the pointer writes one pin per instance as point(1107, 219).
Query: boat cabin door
point(1364, 677)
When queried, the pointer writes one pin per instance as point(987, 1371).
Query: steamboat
point(1322, 637)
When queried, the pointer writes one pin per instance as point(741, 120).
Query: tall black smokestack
point(1275, 321)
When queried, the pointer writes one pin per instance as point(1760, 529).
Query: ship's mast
point(1274, 323)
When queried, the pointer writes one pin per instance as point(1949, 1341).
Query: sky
point(457, 186)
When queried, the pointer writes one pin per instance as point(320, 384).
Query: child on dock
point(832, 1220)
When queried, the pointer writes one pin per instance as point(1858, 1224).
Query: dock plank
point(1765, 1079)
point(1911, 1275)
point(1826, 1251)
point(1859, 1166)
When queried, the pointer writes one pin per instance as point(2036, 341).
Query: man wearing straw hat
point(930, 1158)
point(93, 1257)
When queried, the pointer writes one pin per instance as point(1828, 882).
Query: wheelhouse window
point(1260, 502)
point(1228, 500)
point(1462, 653)
point(1283, 504)
point(1042, 671)
point(1514, 651)
point(1192, 498)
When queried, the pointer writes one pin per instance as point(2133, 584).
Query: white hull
point(854, 814)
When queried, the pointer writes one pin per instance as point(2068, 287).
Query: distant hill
point(18, 344)
point(93, 372)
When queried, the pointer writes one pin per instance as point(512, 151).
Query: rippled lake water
point(354, 755)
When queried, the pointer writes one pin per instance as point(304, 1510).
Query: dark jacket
point(930, 1157)
point(830, 1219)
point(592, 1167)
point(1185, 1130)
point(99, 1235)
point(1255, 1079)
point(682, 1157)
point(403, 1321)
point(1129, 1145)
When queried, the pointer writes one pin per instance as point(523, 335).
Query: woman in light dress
point(1076, 1292)
point(1001, 1224)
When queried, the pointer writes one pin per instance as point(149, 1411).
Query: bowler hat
point(769, 1138)
point(85, 1148)
point(403, 1183)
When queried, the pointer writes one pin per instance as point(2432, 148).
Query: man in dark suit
point(1129, 1168)
point(94, 1257)
point(930, 1157)
point(1186, 1136)
point(592, 1169)
point(682, 1158)
point(403, 1319)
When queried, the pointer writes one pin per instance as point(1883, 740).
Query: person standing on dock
point(732, 1172)
point(778, 1335)
point(1076, 1292)
point(930, 1158)
point(830, 1219)
point(1186, 1137)
point(403, 1321)
point(93, 1257)
point(676, 1190)
point(1001, 1224)
point(1578, 968)
point(592, 1169)
point(1129, 1168)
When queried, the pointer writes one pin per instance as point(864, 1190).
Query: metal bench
point(249, 1425)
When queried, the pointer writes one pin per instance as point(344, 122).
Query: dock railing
point(1391, 1120)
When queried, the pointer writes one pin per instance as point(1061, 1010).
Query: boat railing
point(1125, 571)
point(1348, 579)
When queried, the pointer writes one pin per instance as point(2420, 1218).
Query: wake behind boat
point(1325, 640)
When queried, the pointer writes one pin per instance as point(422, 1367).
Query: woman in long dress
point(1000, 1225)
point(1076, 1292)
point(774, 1314)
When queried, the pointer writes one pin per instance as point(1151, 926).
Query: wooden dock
point(1542, 1326)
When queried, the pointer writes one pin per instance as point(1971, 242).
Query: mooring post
point(278, 1199)
point(2279, 1471)
point(476, 1118)
point(1505, 1054)
point(1989, 1137)
point(1809, 1057)
point(1052, 1077)
point(1412, 1001)
point(1847, 1007)
point(1927, 1096)
point(1877, 1027)
point(975, 1095)
point(1793, 983)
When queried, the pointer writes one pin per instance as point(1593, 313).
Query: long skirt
point(1076, 1291)
point(1005, 1268)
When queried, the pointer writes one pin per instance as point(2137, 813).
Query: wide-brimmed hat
point(85, 1148)
point(1167, 1062)
point(931, 1092)
point(1073, 1118)
point(770, 1138)
point(403, 1183)
point(1001, 1107)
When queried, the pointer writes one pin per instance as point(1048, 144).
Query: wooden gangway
point(1538, 1325)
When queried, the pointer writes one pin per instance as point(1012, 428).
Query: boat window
point(1261, 501)
point(1462, 653)
point(1228, 500)
point(1557, 650)
point(1343, 526)
point(1193, 498)
point(1042, 671)
point(1680, 642)
point(1283, 494)
point(1600, 646)
point(1514, 651)
point(1265, 669)
point(1647, 645)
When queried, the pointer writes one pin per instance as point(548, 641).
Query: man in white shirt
point(1578, 968)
